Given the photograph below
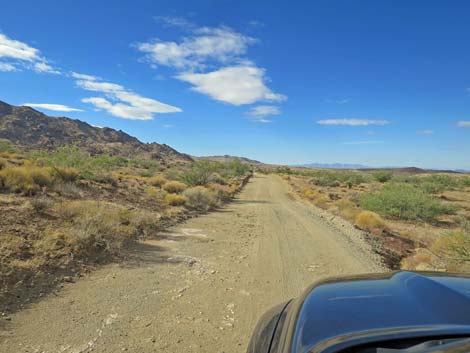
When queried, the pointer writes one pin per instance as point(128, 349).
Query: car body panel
point(335, 314)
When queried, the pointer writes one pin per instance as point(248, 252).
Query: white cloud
point(353, 122)
point(43, 67)
point(261, 112)
point(425, 132)
point(220, 44)
point(237, 85)
point(7, 67)
point(463, 123)
point(121, 102)
point(54, 107)
point(14, 49)
point(366, 142)
point(84, 76)
point(21, 53)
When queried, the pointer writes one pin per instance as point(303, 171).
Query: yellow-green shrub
point(175, 200)
point(27, 179)
point(65, 174)
point(370, 221)
point(174, 187)
point(453, 246)
point(158, 180)
point(347, 209)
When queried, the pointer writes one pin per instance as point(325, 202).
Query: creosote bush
point(65, 174)
point(174, 187)
point(175, 200)
point(383, 176)
point(370, 221)
point(406, 202)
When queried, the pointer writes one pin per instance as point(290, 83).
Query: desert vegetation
point(423, 219)
point(66, 209)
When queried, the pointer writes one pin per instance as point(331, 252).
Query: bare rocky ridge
point(30, 129)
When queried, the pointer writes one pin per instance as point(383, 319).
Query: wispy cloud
point(261, 112)
point(15, 52)
point(212, 60)
point(367, 142)
point(121, 102)
point(237, 85)
point(338, 101)
point(7, 67)
point(175, 21)
point(353, 122)
point(463, 123)
point(53, 107)
point(425, 132)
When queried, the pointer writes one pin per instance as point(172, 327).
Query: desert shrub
point(158, 180)
point(216, 178)
point(336, 178)
point(383, 176)
point(347, 209)
point(310, 194)
point(199, 173)
point(65, 174)
point(404, 201)
point(6, 146)
point(174, 187)
point(222, 192)
point(27, 179)
point(3, 163)
point(370, 221)
point(41, 204)
point(464, 181)
point(453, 246)
point(200, 198)
point(431, 184)
point(68, 190)
point(175, 200)
point(97, 227)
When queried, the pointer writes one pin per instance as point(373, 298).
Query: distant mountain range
point(405, 170)
point(228, 158)
point(30, 129)
point(333, 166)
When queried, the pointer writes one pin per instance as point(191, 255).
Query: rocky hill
point(30, 129)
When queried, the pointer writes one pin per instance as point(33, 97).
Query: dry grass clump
point(347, 209)
point(200, 198)
point(95, 228)
point(69, 190)
point(175, 200)
point(41, 204)
point(174, 187)
point(370, 221)
point(453, 246)
point(27, 179)
point(158, 180)
point(318, 199)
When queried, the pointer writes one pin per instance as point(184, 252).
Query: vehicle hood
point(352, 311)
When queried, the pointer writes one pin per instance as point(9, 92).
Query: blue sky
point(381, 83)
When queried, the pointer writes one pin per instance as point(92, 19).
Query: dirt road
point(200, 287)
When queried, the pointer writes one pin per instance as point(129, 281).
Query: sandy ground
point(200, 287)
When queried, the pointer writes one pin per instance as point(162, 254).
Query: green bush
point(202, 172)
point(404, 201)
point(6, 146)
point(431, 184)
point(383, 176)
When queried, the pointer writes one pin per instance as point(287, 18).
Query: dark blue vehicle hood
point(341, 313)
